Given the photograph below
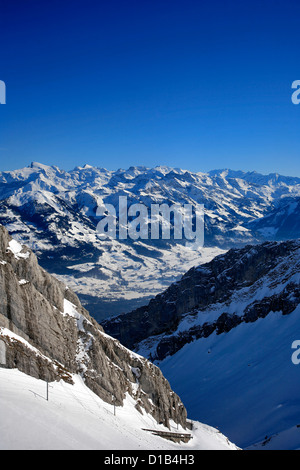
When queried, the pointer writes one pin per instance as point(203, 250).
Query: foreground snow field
point(244, 382)
point(74, 418)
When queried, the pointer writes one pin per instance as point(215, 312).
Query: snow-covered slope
point(54, 212)
point(223, 337)
point(74, 418)
point(244, 382)
point(281, 223)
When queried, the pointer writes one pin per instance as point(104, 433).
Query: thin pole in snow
point(47, 389)
point(114, 401)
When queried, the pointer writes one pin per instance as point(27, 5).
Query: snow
point(71, 310)
point(132, 272)
point(286, 272)
point(16, 248)
point(287, 439)
point(74, 418)
point(143, 276)
point(14, 337)
point(243, 381)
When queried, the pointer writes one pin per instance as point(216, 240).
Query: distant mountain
point(54, 212)
point(223, 337)
point(282, 223)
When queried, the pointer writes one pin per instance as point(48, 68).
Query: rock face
point(240, 286)
point(46, 333)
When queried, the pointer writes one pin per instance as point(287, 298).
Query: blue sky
point(193, 84)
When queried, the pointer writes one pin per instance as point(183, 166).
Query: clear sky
point(187, 83)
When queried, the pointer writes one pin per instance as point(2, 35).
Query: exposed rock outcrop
point(46, 333)
point(239, 286)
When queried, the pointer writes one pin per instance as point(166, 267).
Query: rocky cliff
point(46, 333)
point(239, 286)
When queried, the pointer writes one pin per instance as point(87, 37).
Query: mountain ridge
point(54, 212)
point(211, 287)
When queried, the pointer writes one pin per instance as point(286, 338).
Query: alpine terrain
point(100, 395)
point(55, 213)
point(219, 320)
point(225, 336)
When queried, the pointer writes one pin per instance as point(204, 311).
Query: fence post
point(114, 401)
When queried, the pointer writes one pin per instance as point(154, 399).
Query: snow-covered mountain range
point(54, 212)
